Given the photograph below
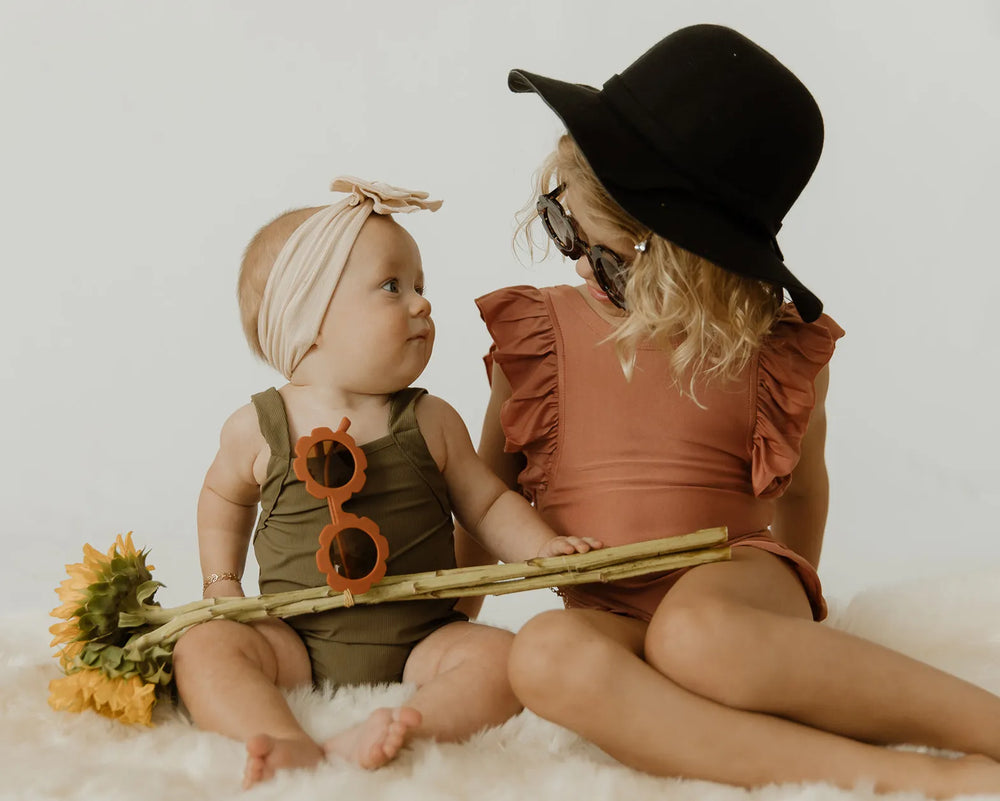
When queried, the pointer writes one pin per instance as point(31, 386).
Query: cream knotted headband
point(308, 268)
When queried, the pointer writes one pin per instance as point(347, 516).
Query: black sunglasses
point(610, 269)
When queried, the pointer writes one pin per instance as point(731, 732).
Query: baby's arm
point(507, 466)
point(499, 518)
point(800, 514)
point(227, 506)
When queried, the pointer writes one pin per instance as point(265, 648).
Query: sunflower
point(99, 675)
point(128, 700)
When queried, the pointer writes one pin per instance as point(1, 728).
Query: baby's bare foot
point(376, 741)
point(266, 755)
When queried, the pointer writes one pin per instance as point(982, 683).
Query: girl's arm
point(507, 466)
point(800, 514)
point(227, 505)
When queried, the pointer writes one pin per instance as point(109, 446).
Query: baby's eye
point(419, 290)
point(392, 285)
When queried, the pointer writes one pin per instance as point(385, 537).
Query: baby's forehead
point(384, 242)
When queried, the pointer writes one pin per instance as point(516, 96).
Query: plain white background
point(142, 144)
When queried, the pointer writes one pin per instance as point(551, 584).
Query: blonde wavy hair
point(710, 320)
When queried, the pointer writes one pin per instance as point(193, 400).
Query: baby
point(333, 297)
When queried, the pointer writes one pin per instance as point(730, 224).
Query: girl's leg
point(231, 675)
point(583, 670)
point(741, 633)
point(461, 675)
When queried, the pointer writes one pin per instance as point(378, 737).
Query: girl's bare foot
point(266, 755)
point(376, 741)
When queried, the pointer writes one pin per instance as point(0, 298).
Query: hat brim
point(671, 208)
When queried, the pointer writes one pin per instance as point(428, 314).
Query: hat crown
point(727, 115)
point(707, 140)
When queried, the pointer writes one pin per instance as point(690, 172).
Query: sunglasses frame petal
point(325, 564)
point(301, 465)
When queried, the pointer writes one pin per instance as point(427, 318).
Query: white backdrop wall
point(143, 143)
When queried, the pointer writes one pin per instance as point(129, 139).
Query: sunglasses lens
point(611, 275)
point(330, 464)
point(559, 226)
point(353, 553)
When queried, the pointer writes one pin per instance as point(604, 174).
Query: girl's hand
point(562, 546)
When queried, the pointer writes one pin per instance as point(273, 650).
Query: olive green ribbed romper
point(405, 494)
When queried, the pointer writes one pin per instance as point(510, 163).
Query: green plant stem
point(602, 565)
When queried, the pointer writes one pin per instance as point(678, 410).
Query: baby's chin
point(395, 380)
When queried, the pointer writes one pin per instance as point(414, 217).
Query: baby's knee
point(217, 640)
point(490, 643)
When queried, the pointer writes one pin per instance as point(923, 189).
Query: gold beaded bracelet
point(214, 577)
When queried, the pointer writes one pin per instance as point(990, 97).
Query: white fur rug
point(952, 623)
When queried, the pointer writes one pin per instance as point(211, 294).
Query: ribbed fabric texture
point(405, 494)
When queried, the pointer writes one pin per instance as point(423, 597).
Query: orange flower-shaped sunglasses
point(352, 551)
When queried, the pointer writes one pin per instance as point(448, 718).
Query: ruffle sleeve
point(524, 346)
point(789, 361)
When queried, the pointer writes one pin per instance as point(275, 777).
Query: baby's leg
point(461, 675)
point(231, 675)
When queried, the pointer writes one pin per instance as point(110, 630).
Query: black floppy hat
point(707, 139)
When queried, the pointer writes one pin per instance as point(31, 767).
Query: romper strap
point(406, 434)
point(273, 421)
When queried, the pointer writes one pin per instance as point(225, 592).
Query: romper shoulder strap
point(403, 410)
point(273, 421)
point(274, 427)
point(411, 443)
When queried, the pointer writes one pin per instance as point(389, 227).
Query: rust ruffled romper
point(628, 461)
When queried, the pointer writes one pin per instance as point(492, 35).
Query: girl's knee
point(556, 657)
point(693, 644)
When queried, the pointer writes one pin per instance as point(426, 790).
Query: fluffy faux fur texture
point(953, 623)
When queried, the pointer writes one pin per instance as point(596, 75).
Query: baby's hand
point(561, 546)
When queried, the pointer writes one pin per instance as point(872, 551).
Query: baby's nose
point(421, 307)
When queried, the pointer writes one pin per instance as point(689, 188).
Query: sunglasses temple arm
point(334, 517)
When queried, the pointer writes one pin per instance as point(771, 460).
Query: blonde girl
point(674, 390)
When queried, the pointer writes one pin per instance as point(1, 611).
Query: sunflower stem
point(603, 565)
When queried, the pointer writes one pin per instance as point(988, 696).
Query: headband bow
point(308, 268)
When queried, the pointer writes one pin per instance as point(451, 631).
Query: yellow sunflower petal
point(68, 654)
point(67, 610)
point(79, 576)
point(64, 632)
point(106, 691)
point(139, 699)
point(93, 559)
point(73, 588)
point(125, 545)
point(63, 696)
point(70, 693)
